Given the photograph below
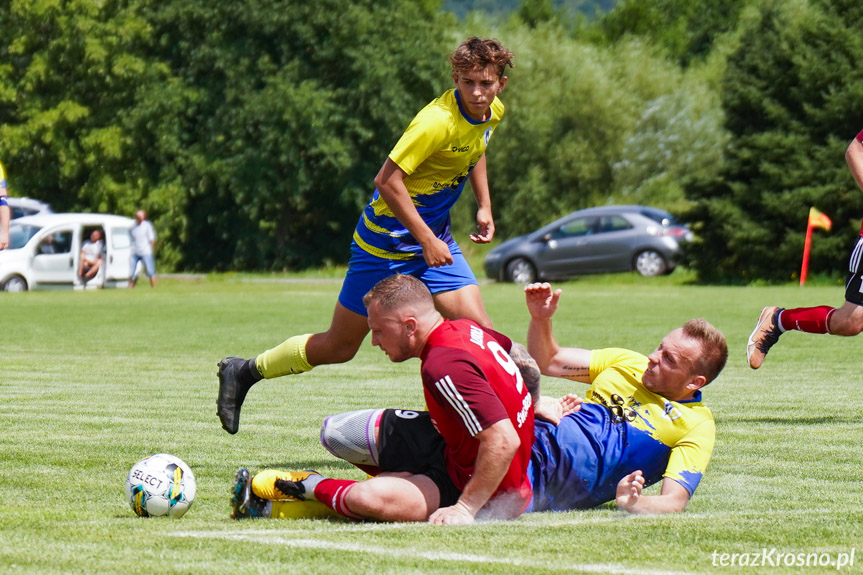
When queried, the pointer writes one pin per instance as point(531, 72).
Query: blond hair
point(398, 291)
point(714, 349)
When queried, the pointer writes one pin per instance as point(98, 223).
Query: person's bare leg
point(846, 320)
point(465, 303)
point(392, 498)
point(341, 341)
point(297, 354)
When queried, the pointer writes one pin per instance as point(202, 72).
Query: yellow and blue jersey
point(621, 427)
point(3, 190)
point(437, 152)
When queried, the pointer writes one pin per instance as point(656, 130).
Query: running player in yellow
point(405, 228)
point(5, 211)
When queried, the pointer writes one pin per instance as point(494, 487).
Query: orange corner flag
point(819, 220)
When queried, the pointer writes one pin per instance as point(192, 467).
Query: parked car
point(28, 207)
point(595, 240)
point(44, 251)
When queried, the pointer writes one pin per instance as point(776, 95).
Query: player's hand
point(548, 409)
point(436, 253)
point(553, 410)
point(457, 514)
point(541, 300)
point(570, 403)
point(4, 240)
point(484, 226)
point(629, 490)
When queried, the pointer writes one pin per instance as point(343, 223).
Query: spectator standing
point(143, 242)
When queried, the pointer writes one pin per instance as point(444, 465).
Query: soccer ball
point(160, 485)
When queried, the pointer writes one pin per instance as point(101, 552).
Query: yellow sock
point(286, 358)
point(301, 510)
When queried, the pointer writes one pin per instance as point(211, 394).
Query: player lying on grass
point(846, 320)
point(641, 421)
point(478, 401)
point(405, 228)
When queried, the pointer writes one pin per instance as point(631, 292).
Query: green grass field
point(93, 381)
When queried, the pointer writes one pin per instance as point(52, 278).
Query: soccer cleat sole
point(228, 403)
point(241, 493)
point(755, 348)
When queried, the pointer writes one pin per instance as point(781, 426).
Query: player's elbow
point(555, 365)
point(379, 181)
point(677, 505)
point(854, 153)
point(675, 502)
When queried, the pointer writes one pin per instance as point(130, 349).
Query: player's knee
point(352, 436)
point(850, 328)
point(845, 324)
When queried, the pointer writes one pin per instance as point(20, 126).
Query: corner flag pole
point(816, 220)
point(807, 244)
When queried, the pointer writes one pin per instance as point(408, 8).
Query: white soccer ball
point(160, 485)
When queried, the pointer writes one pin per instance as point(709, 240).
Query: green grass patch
point(93, 381)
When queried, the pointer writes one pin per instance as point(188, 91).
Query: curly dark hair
point(477, 54)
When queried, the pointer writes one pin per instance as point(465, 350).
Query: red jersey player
point(479, 400)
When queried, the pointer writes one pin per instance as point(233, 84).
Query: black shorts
point(409, 442)
point(854, 283)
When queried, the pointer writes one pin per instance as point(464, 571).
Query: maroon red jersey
point(471, 383)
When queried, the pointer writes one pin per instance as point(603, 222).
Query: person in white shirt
point(91, 257)
point(143, 241)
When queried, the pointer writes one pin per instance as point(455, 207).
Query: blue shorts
point(365, 270)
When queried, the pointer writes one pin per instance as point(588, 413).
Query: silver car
point(595, 240)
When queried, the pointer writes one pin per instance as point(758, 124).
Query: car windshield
point(660, 217)
point(19, 235)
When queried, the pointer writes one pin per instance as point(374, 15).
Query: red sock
point(332, 492)
point(808, 319)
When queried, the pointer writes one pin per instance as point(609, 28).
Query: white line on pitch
point(264, 538)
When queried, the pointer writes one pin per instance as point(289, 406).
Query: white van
point(44, 251)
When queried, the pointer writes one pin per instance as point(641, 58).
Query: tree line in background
point(251, 130)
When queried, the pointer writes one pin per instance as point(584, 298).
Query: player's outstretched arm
point(390, 185)
point(568, 362)
point(672, 499)
point(484, 221)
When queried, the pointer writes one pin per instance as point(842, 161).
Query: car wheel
point(15, 284)
point(521, 271)
point(650, 263)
